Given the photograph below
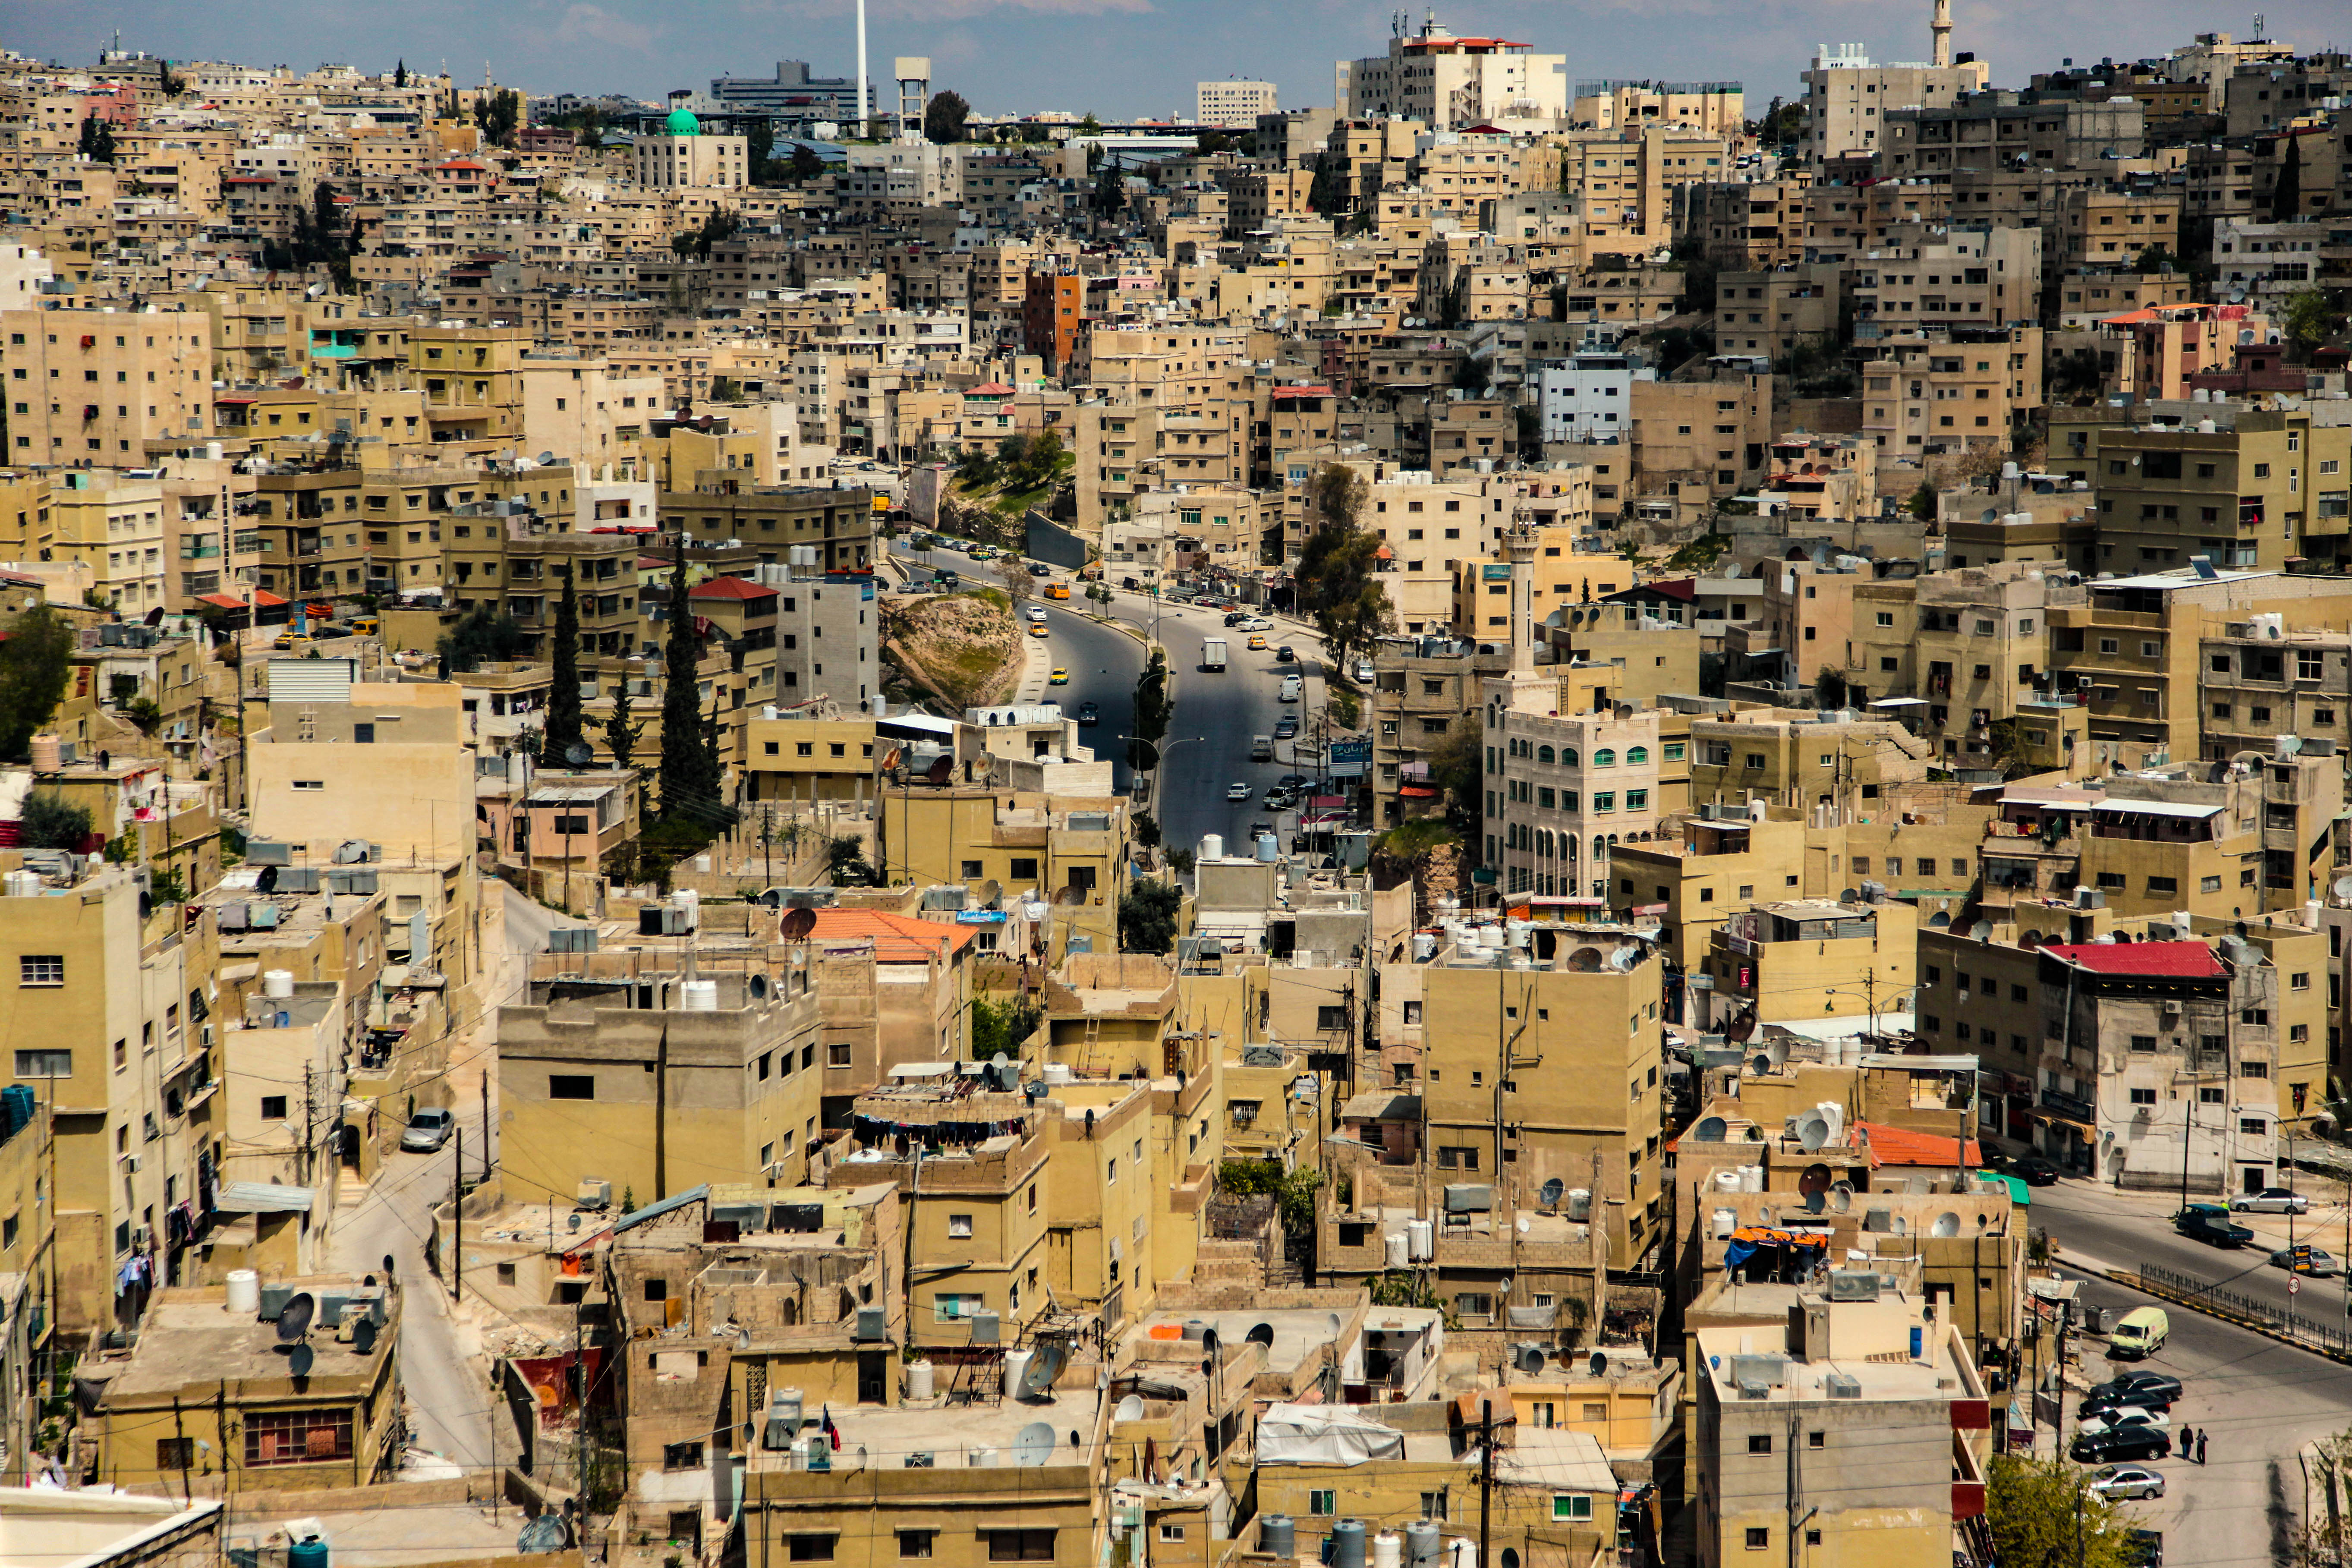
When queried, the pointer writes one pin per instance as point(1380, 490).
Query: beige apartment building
point(101, 385)
point(1847, 99)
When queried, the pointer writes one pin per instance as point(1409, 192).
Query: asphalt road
point(2261, 1401)
point(2126, 1230)
point(1226, 711)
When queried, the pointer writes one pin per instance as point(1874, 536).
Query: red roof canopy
point(730, 588)
point(262, 598)
point(2181, 960)
point(897, 939)
point(1891, 1146)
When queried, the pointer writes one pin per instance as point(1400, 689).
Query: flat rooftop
point(193, 1335)
point(394, 1537)
point(881, 1439)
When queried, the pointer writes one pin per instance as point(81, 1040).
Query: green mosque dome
point(682, 123)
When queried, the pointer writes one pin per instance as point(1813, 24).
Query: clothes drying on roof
point(1749, 1239)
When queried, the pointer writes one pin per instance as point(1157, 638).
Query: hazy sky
point(1118, 57)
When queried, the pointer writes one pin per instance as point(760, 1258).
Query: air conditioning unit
point(130, 1163)
point(1842, 1385)
point(984, 1328)
point(873, 1323)
point(594, 1195)
point(140, 1237)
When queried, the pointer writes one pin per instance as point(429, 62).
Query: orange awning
point(1902, 1146)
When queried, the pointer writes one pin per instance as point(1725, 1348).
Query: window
point(44, 1064)
point(1322, 1504)
point(2253, 1126)
point(805, 1548)
point(1331, 1018)
point(41, 969)
point(1022, 870)
point(2143, 1097)
point(1474, 1304)
point(2143, 1042)
point(916, 1543)
point(959, 1227)
point(1171, 1532)
point(175, 1453)
point(1817, 1439)
point(573, 1086)
point(1760, 1441)
point(273, 1107)
point(1027, 1545)
point(297, 1436)
point(1568, 1506)
point(1759, 1538)
point(949, 1309)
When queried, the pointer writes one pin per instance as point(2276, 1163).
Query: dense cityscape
point(799, 826)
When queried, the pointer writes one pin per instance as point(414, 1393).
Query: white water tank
point(919, 1380)
point(691, 901)
point(277, 984)
point(1579, 1203)
point(980, 1458)
point(1421, 1240)
point(1058, 1073)
point(1460, 1552)
point(1267, 850)
point(244, 1292)
point(1212, 847)
point(699, 995)
point(48, 754)
point(1516, 932)
point(1751, 1178)
point(1424, 946)
point(1388, 1549)
point(22, 884)
point(1724, 1221)
point(1726, 1181)
point(1394, 1243)
point(1017, 1367)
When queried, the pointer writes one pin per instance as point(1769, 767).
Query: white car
point(2127, 1482)
point(1239, 792)
point(2270, 1200)
point(2126, 1415)
point(1255, 624)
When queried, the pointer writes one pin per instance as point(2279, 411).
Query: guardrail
point(2334, 1338)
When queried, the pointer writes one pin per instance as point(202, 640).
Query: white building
point(1232, 103)
point(1590, 397)
point(1451, 83)
point(1847, 98)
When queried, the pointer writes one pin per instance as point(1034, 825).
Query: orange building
point(1053, 316)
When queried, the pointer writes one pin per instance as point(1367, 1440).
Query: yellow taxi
point(1059, 678)
point(1257, 645)
point(1037, 629)
point(287, 641)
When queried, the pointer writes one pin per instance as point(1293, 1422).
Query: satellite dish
point(1731, 569)
point(363, 1333)
point(2343, 886)
point(1710, 1129)
point(942, 770)
point(1841, 1197)
point(1946, 1224)
point(1761, 1065)
point(1598, 1365)
point(1813, 1132)
point(298, 1360)
point(990, 891)
point(1548, 1195)
point(294, 1318)
point(1130, 1409)
point(266, 882)
point(543, 1534)
point(890, 760)
point(578, 755)
point(797, 924)
point(1045, 1370)
point(350, 852)
point(1261, 1334)
point(1740, 1030)
point(1034, 1445)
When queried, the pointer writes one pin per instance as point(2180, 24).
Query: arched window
point(1568, 756)
point(1600, 847)
point(1543, 754)
point(1636, 756)
point(1604, 758)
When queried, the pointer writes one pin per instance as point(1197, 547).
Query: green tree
point(807, 165)
point(1292, 1191)
point(497, 115)
point(481, 634)
point(844, 864)
point(1110, 190)
point(1210, 142)
point(2286, 196)
point(2043, 1514)
point(563, 730)
point(1090, 126)
point(35, 664)
point(622, 729)
point(1153, 708)
point(1327, 193)
point(1922, 504)
point(97, 139)
point(2309, 319)
point(1337, 582)
point(1147, 830)
point(400, 74)
point(1002, 1025)
point(689, 785)
point(1453, 763)
point(1146, 917)
point(50, 821)
point(944, 116)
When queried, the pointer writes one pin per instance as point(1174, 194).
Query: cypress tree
point(689, 786)
point(563, 690)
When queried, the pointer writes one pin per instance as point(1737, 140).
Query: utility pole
point(302, 1155)
point(485, 1124)
point(456, 1222)
point(1485, 1471)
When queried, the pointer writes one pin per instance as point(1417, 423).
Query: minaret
point(862, 100)
point(1940, 28)
point(1521, 543)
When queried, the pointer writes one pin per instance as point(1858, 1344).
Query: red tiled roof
point(989, 389)
point(2182, 959)
point(897, 938)
point(262, 597)
point(1281, 391)
point(730, 588)
point(1901, 1146)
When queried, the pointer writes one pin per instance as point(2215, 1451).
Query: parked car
point(2154, 1390)
point(2117, 1482)
point(2315, 1262)
point(1090, 714)
point(1235, 617)
point(1239, 792)
point(2270, 1200)
point(428, 1130)
point(2144, 1549)
point(2115, 1417)
point(2210, 1223)
point(1256, 623)
point(1039, 569)
point(1260, 830)
point(1285, 727)
point(1294, 780)
point(2035, 1171)
point(288, 641)
point(2123, 1443)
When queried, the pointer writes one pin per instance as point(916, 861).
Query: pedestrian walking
point(2200, 1446)
point(2188, 1444)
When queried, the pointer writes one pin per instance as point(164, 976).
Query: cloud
point(583, 23)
